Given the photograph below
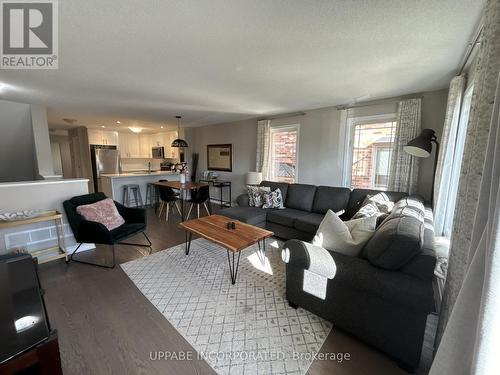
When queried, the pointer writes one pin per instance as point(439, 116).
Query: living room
point(249, 187)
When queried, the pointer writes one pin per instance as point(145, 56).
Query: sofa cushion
point(300, 197)
point(283, 186)
point(308, 223)
point(358, 196)
point(249, 215)
point(330, 198)
point(400, 237)
point(345, 237)
point(127, 230)
point(286, 216)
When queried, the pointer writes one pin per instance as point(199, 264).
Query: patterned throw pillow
point(255, 195)
point(382, 201)
point(104, 212)
point(273, 199)
point(375, 205)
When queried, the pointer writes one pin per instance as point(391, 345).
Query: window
point(371, 142)
point(447, 205)
point(283, 153)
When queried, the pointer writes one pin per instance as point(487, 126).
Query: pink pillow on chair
point(103, 212)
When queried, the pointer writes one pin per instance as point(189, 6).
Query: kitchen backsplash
point(129, 165)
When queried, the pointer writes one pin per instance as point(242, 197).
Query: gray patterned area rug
point(246, 328)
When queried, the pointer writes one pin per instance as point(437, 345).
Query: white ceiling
point(216, 61)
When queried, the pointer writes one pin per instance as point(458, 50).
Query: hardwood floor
point(106, 326)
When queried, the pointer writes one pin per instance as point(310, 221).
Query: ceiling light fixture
point(161, 127)
point(135, 130)
point(179, 142)
point(118, 122)
point(102, 126)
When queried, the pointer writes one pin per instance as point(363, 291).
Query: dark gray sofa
point(384, 295)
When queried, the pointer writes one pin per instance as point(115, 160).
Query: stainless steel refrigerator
point(105, 160)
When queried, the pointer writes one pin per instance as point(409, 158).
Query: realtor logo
point(29, 34)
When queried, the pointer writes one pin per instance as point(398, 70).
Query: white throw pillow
point(347, 237)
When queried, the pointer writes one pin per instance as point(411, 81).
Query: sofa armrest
point(320, 260)
point(242, 200)
point(131, 215)
point(295, 254)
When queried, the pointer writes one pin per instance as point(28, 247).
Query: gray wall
point(321, 142)
point(242, 135)
point(433, 113)
point(17, 161)
point(43, 153)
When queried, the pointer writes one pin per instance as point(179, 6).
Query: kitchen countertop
point(139, 174)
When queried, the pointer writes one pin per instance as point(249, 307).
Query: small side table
point(52, 253)
point(221, 185)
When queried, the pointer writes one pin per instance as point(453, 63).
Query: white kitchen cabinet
point(102, 137)
point(146, 144)
point(129, 145)
point(110, 137)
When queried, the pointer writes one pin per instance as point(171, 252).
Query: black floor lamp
point(421, 147)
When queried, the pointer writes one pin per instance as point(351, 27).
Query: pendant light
point(179, 142)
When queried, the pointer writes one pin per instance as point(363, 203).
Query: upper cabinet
point(129, 145)
point(102, 137)
point(146, 144)
point(133, 145)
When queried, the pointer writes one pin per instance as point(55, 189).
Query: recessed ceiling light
point(135, 130)
point(161, 127)
point(118, 122)
point(102, 126)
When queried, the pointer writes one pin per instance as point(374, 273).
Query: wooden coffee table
point(214, 228)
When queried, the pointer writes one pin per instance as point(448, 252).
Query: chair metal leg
point(198, 209)
point(140, 244)
point(206, 208)
point(135, 197)
point(168, 210)
point(71, 258)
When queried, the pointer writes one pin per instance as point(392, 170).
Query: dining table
point(183, 189)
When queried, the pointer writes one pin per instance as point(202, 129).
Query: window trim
point(349, 140)
point(276, 129)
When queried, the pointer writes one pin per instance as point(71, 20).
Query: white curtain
point(404, 167)
point(263, 140)
point(470, 315)
point(448, 166)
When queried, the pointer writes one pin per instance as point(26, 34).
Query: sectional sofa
point(384, 295)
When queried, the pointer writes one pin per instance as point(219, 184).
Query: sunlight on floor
point(260, 262)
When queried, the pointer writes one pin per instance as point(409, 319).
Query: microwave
point(158, 152)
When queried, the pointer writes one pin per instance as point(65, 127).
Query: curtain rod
point(470, 48)
point(379, 101)
point(284, 116)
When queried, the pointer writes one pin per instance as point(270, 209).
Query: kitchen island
point(112, 184)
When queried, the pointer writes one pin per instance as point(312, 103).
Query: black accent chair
point(167, 198)
point(92, 232)
point(200, 197)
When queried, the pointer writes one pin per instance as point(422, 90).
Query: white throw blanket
point(321, 268)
